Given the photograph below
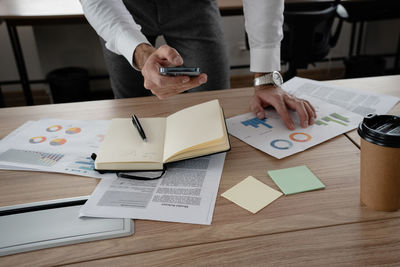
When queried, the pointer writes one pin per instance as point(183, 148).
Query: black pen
point(136, 122)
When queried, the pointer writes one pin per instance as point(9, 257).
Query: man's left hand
point(270, 95)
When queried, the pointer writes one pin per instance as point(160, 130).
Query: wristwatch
point(274, 78)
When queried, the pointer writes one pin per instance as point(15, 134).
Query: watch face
point(277, 78)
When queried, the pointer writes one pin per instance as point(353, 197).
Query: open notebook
point(192, 132)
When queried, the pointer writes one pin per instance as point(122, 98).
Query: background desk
point(325, 227)
point(27, 12)
point(38, 12)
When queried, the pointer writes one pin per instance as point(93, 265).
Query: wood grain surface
point(373, 243)
point(300, 217)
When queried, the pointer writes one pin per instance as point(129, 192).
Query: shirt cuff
point(265, 59)
point(127, 42)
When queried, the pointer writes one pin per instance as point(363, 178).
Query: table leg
point(360, 37)
point(353, 34)
point(19, 58)
point(1, 99)
point(397, 58)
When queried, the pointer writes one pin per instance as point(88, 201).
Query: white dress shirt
point(263, 22)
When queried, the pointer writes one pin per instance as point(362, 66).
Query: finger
point(310, 112)
point(314, 112)
point(189, 84)
point(282, 110)
point(298, 105)
point(170, 54)
point(172, 81)
point(256, 107)
point(168, 86)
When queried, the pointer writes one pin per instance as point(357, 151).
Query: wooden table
point(321, 228)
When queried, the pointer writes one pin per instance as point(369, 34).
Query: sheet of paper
point(192, 126)
point(272, 137)
point(295, 180)
point(357, 101)
point(251, 194)
point(123, 143)
point(54, 145)
point(186, 193)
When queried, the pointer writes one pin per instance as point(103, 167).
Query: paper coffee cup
point(380, 162)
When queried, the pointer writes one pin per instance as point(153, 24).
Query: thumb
point(170, 54)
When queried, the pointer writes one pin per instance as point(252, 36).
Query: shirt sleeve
point(263, 22)
point(113, 22)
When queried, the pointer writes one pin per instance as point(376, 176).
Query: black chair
point(70, 84)
point(307, 34)
point(359, 13)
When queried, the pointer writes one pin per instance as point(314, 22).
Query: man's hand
point(270, 95)
point(149, 60)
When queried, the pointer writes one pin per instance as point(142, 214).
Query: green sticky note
point(295, 180)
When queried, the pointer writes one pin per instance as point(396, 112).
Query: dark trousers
point(193, 28)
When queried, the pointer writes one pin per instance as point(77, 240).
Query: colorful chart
point(328, 119)
point(300, 137)
point(81, 165)
point(58, 142)
point(318, 122)
point(73, 130)
point(254, 122)
point(339, 117)
point(281, 144)
point(54, 128)
point(37, 139)
point(31, 157)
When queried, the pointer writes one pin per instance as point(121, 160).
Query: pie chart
point(37, 139)
point(73, 130)
point(58, 142)
point(54, 128)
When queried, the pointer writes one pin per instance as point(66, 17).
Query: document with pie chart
point(54, 145)
point(272, 137)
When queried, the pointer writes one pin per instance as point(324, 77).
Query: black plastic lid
point(382, 130)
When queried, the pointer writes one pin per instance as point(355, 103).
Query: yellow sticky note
point(251, 194)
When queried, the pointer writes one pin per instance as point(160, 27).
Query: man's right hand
point(149, 60)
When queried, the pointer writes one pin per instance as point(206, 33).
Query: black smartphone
point(179, 71)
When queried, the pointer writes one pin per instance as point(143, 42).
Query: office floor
point(40, 96)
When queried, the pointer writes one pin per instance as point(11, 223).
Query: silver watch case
point(274, 78)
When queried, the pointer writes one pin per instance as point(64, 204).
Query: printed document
point(272, 137)
point(357, 101)
point(54, 145)
point(186, 193)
